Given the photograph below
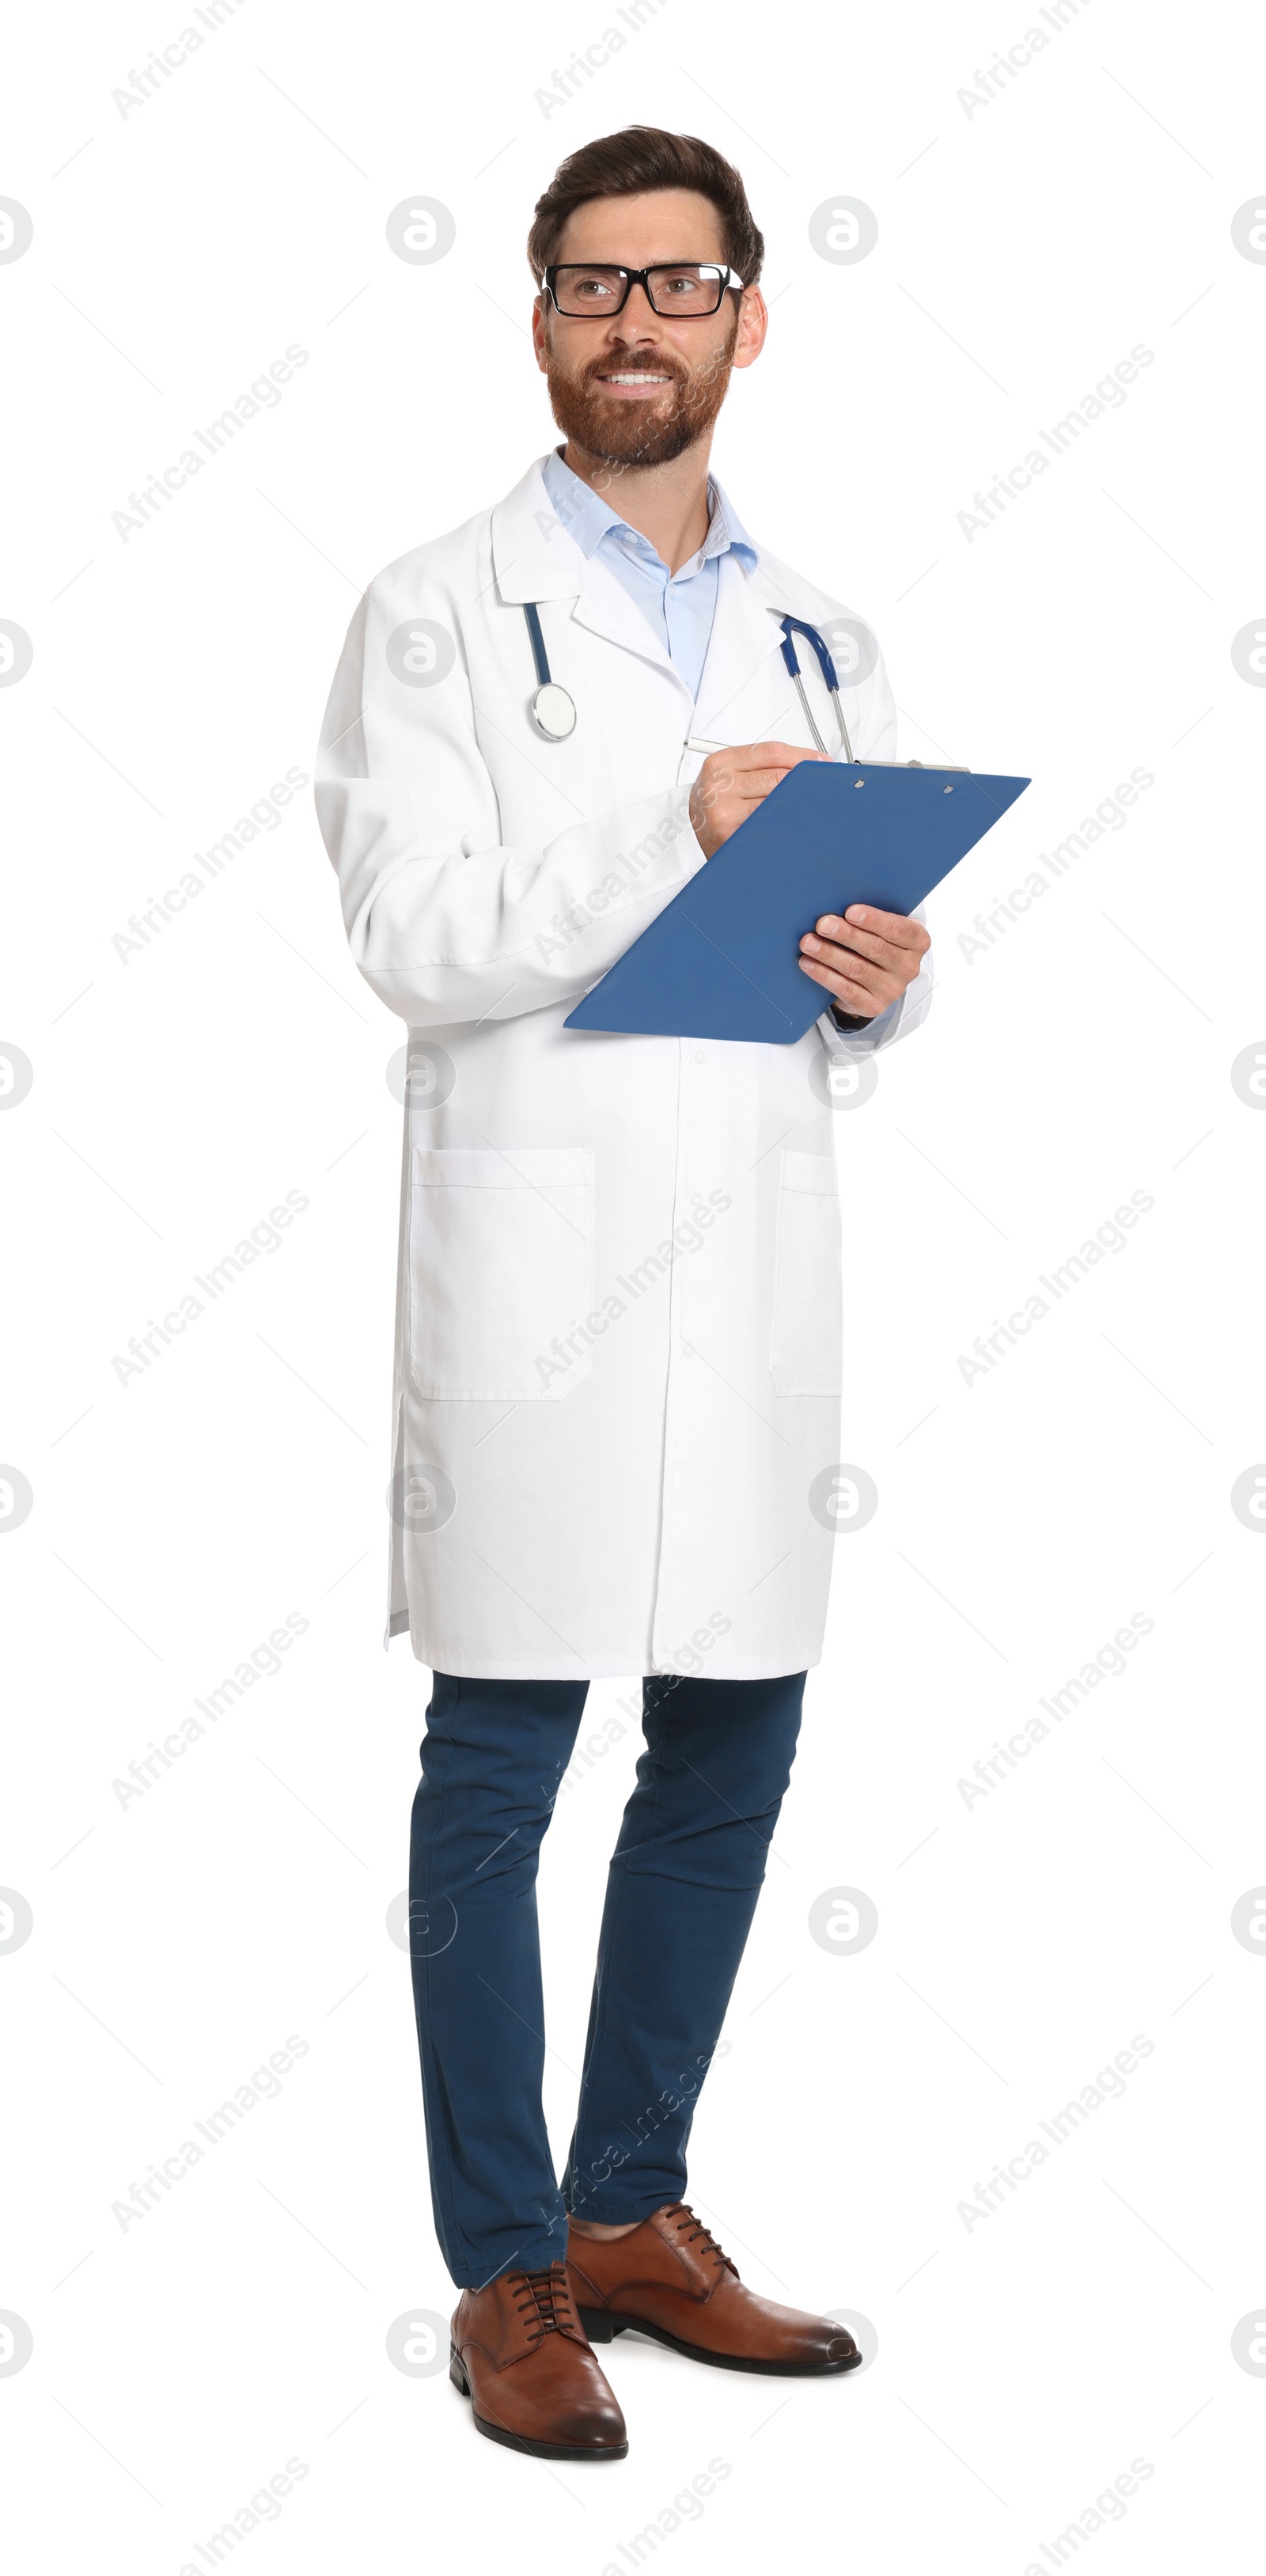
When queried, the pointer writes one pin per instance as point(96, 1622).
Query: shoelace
point(695, 2227)
point(544, 2301)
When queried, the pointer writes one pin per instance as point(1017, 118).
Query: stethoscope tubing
point(554, 710)
point(539, 654)
point(792, 626)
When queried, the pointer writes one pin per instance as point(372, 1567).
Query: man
point(619, 1316)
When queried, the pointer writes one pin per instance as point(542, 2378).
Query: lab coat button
point(687, 1350)
point(698, 1055)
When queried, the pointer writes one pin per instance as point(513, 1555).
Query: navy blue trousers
point(681, 1892)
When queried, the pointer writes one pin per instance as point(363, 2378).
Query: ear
point(753, 324)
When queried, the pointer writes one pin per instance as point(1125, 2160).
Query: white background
point(1023, 1941)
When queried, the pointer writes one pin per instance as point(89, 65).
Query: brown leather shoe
point(520, 2353)
point(669, 2279)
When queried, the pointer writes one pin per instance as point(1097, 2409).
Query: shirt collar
point(588, 518)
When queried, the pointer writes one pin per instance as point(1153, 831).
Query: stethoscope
point(554, 709)
point(797, 626)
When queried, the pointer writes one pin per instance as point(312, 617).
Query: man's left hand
point(865, 960)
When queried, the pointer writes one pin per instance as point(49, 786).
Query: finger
point(895, 926)
point(767, 755)
point(748, 760)
point(757, 783)
point(857, 970)
point(851, 997)
point(751, 786)
point(859, 944)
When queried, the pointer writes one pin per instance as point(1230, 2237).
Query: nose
point(637, 317)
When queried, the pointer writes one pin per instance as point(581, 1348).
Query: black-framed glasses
point(690, 287)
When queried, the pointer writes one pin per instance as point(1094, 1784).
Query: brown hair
point(634, 163)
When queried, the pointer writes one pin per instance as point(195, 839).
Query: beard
point(643, 433)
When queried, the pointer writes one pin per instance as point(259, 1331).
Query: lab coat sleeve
point(447, 922)
point(875, 738)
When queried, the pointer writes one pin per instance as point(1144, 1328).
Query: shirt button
point(687, 1350)
point(698, 1055)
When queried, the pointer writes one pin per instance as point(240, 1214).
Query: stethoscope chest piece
point(553, 709)
point(554, 712)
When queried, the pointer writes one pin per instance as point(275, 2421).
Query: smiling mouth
point(634, 376)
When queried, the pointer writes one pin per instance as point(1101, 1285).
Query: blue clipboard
point(720, 960)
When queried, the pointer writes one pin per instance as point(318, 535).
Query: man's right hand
point(731, 784)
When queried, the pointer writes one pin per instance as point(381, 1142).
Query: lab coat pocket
point(806, 1346)
point(500, 1266)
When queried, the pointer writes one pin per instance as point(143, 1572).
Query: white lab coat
point(619, 1317)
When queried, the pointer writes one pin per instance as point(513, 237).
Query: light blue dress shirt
point(680, 606)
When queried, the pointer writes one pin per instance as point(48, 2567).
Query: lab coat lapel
point(605, 607)
point(535, 557)
point(745, 694)
point(533, 554)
